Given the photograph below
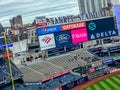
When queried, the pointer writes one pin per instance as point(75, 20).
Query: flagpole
point(9, 62)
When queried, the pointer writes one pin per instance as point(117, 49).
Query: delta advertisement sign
point(47, 30)
point(101, 28)
point(47, 41)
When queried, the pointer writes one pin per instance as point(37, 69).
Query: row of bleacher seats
point(51, 66)
point(67, 62)
point(30, 75)
point(46, 67)
point(86, 56)
point(35, 72)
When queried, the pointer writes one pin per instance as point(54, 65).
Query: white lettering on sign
point(103, 34)
point(81, 35)
point(73, 26)
point(74, 18)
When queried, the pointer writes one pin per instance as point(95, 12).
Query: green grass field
point(111, 83)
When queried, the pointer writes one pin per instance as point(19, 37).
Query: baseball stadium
point(81, 55)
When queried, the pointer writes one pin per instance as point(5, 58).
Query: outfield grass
point(111, 83)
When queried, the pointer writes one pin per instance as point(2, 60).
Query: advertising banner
point(50, 29)
point(2, 43)
point(46, 41)
point(79, 35)
point(62, 38)
point(117, 14)
point(40, 25)
point(6, 55)
point(101, 28)
point(100, 67)
point(116, 58)
point(4, 46)
point(40, 21)
point(75, 83)
point(56, 75)
point(73, 26)
point(61, 73)
point(45, 79)
point(91, 70)
point(108, 61)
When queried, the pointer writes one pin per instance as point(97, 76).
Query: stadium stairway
point(55, 65)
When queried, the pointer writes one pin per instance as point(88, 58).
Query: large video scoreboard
point(74, 33)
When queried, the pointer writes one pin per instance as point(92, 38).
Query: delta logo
point(46, 39)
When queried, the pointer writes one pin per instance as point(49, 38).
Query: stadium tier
point(57, 64)
point(53, 73)
point(48, 85)
point(106, 51)
point(5, 72)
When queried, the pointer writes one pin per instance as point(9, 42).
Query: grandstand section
point(5, 72)
point(67, 61)
point(47, 85)
point(54, 65)
point(47, 74)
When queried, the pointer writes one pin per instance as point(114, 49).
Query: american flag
point(15, 26)
point(46, 39)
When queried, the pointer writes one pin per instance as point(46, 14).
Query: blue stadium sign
point(99, 35)
point(62, 38)
point(4, 46)
point(50, 29)
point(108, 61)
point(101, 28)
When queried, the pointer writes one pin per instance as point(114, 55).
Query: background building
point(16, 20)
point(1, 28)
point(32, 40)
point(87, 6)
point(115, 2)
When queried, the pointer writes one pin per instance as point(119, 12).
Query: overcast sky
point(29, 9)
